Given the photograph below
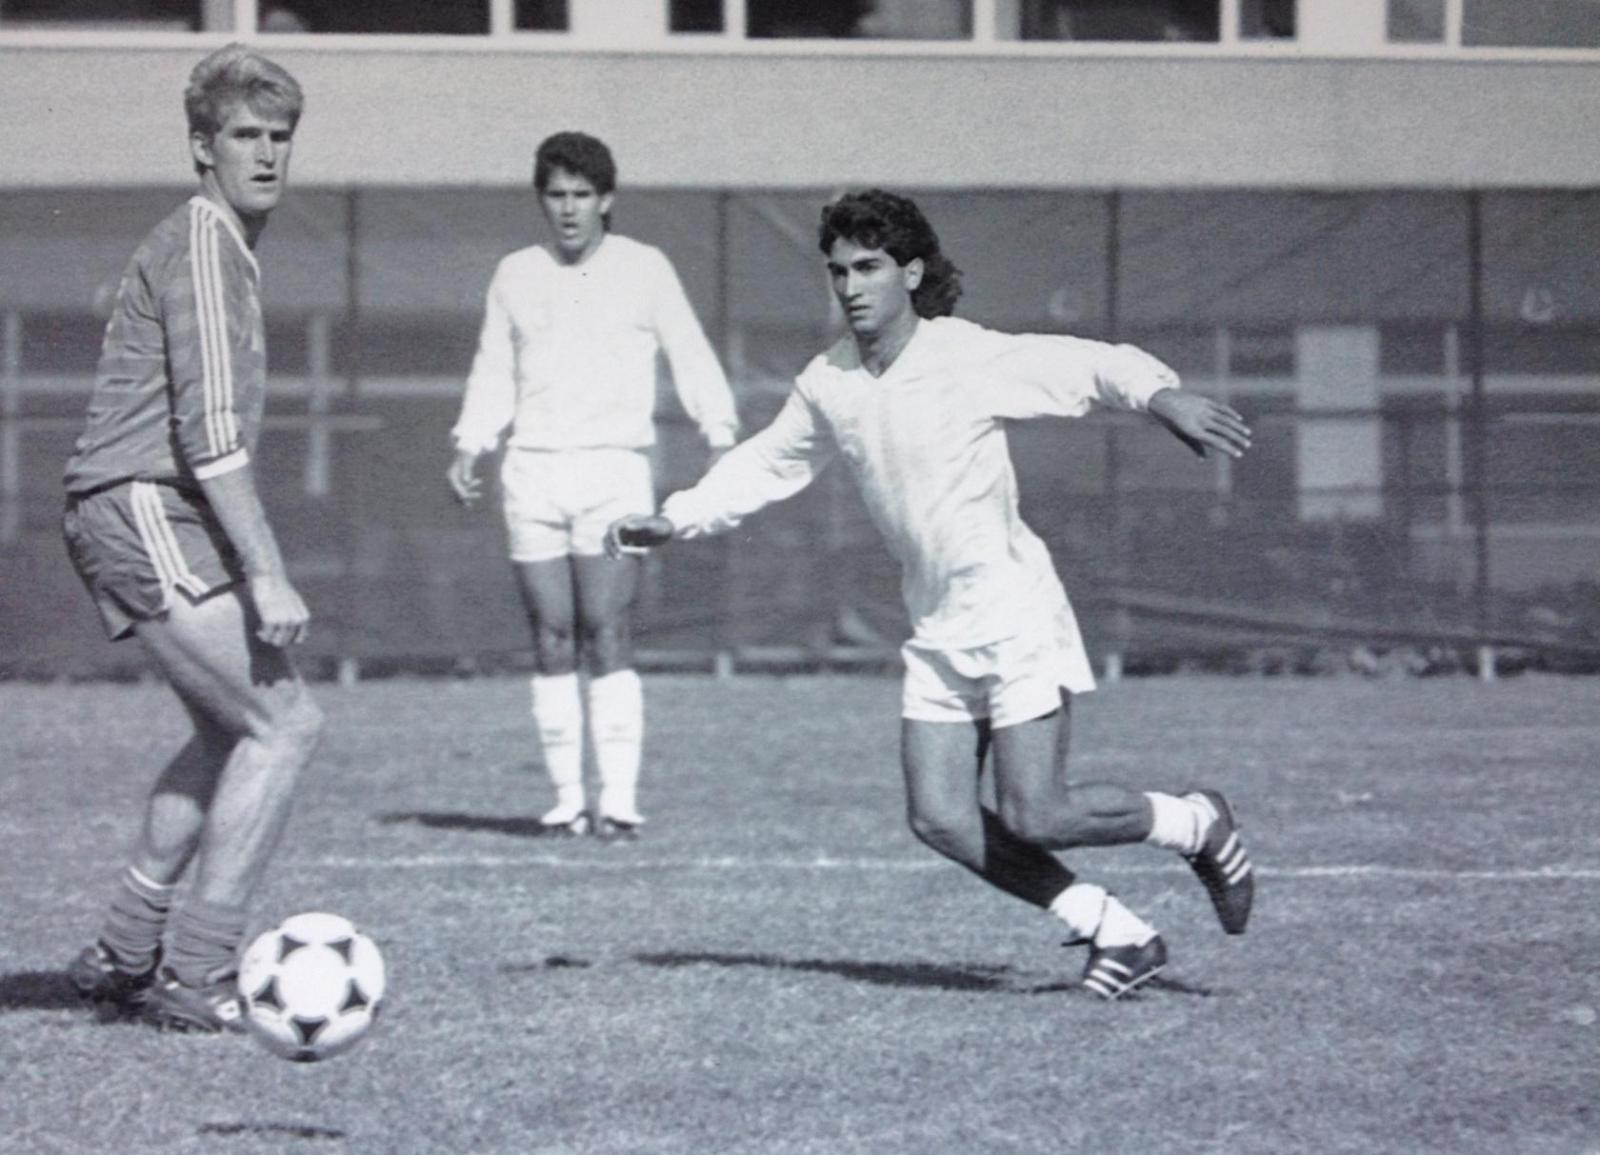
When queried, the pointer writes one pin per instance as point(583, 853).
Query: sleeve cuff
point(474, 444)
point(227, 463)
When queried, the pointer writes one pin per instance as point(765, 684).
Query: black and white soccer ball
point(311, 986)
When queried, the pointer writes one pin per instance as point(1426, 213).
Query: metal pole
point(1121, 620)
point(1478, 427)
point(732, 604)
point(10, 427)
point(352, 617)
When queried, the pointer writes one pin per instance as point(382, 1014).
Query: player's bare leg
point(1040, 804)
point(175, 813)
point(245, 688)
point(606, 588)
point(114, 973)
point(548, 596)
point(941, 762)
point(945, 812)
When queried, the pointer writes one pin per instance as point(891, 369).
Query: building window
point(542, 16)
point(1266, 20)
point(859, 19)
point(1120, 20)
point(1416, 21)
point(1519, 24)
point(450, 17)
point(695, 16)
point(151, 15)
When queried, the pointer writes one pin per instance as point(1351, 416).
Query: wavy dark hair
point(580, 154)
point(883, 220)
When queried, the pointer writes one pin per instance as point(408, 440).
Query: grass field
point(779, 968)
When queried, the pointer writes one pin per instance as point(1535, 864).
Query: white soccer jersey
point(567, 354)
point(926, 442)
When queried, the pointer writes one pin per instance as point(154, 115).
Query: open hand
point(463, 478)
point(1201, 423)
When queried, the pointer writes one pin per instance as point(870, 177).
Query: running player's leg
point(1040, 803)
point(547, 587)
point(606, 588)
point(244, 687)
point(944, 811)
point(1030, 765)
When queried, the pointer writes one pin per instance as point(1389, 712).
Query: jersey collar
point(207, 205)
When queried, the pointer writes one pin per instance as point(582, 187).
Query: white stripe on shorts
point(155, 531)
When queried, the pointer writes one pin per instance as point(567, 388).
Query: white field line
point(620, 859)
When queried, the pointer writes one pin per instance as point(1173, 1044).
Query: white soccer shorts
point(561, 502)
point(1009, 681)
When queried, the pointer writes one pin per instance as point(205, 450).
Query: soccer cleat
point(112, 992)
point(618, 829)
point(1222, 864)
point(565, 821)
point(1114, 971)
point(172, 1006)
point(572, 828)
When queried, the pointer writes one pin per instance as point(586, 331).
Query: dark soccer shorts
point(134, 544)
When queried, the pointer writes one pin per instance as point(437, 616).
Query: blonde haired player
point(165, 527)
point(916, 402)
point(566, 363)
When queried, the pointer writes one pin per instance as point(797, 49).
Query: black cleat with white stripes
point(1114, 971)
point(1222, 864)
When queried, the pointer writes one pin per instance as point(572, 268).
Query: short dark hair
point(883, 220)
point(580, 154)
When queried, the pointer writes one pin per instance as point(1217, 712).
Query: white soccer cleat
point(571, 819)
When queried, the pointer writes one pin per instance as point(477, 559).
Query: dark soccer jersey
point(181, 384)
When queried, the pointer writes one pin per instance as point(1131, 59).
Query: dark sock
point(135, 922)
point(204, 944)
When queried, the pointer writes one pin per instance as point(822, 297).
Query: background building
point(1372, 224)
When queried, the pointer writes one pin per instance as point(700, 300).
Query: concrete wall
point(111, 116)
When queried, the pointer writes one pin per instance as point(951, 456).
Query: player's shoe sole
point(617, 830)
point(1115, 971)
point(571, 828)
point(1223, 866)
point(111, 992)
point(171, 1006)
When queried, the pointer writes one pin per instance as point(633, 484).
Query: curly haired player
point(915, 402)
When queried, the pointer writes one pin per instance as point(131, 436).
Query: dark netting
point(1424, 473)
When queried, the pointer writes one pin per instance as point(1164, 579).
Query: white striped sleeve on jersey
point(211, 317)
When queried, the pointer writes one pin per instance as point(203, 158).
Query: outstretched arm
point(1201, 423)
point(775, 464)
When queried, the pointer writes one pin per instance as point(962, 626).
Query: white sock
point(558, 717)
point(1091, 913)
point(1179, 823)
point(616, 722)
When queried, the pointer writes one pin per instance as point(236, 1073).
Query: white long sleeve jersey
point(926, 442)
point(567, 354)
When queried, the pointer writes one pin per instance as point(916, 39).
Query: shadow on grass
point(516, 827)
point(264, 1129)
point(888, 974)
point(37, 991)
point(931, 976)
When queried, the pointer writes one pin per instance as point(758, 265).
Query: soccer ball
point(311, 987)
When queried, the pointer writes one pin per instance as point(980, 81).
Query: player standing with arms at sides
point(566, 362)
point(165, 526)
point(916, 403)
